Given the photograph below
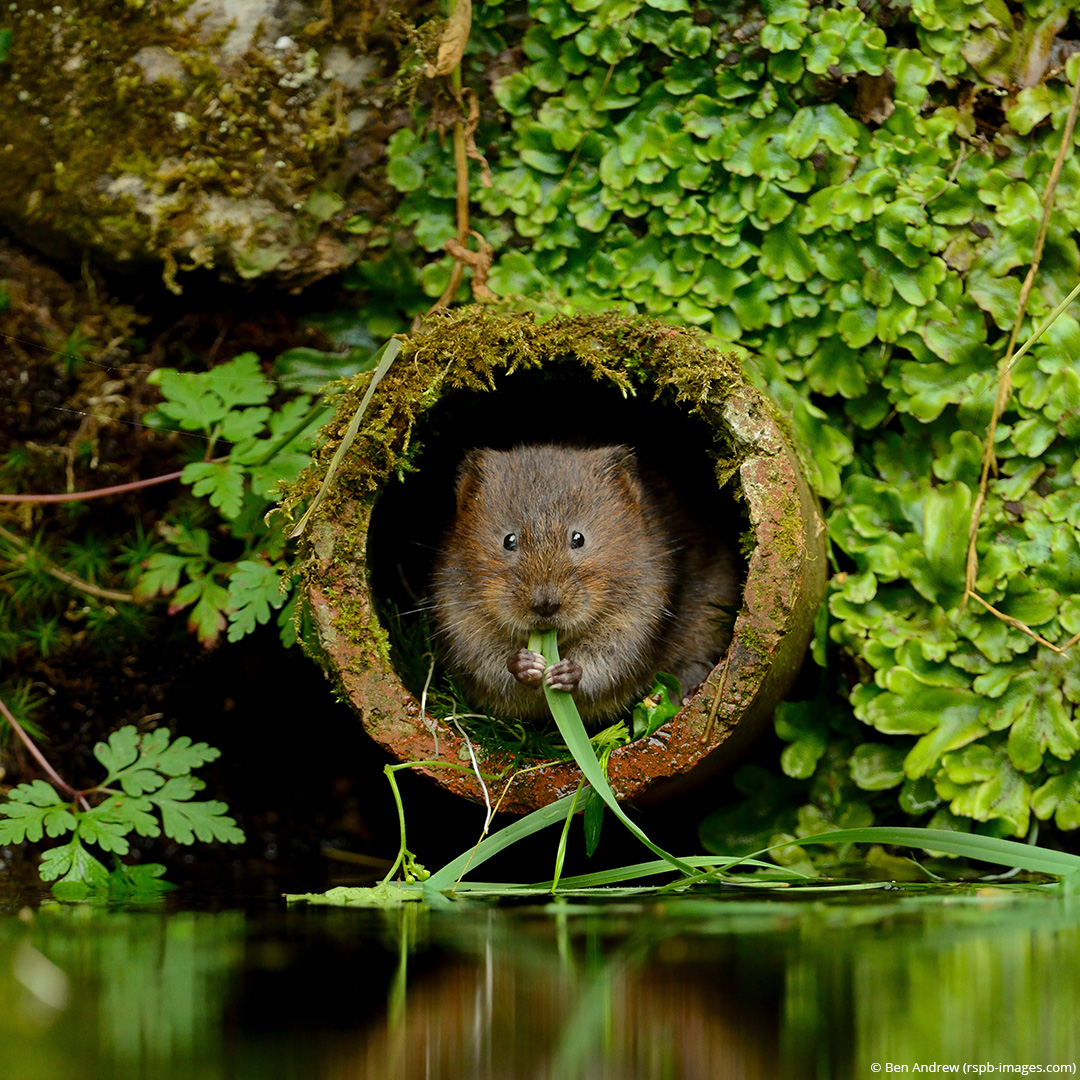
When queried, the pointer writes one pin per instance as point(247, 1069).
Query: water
point(724, 986)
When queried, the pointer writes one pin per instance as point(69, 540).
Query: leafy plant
point(227, 407)
point(148, 789)
point(852, 193)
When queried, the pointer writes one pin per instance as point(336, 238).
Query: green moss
point(97, 155)
point(473, 349)
point(788, 542)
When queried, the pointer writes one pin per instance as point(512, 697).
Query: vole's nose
point(545, 604)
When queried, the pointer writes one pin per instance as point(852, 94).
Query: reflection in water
point(635, 1013)
point(81, 985)
point(708, 988)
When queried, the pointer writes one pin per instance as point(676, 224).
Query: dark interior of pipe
point(411, 515)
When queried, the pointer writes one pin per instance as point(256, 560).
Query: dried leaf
point(873, 97)
point(478, 261)
point(470, 99)
point(455, 37)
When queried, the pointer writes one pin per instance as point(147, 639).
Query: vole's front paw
point(526, 666)
point(565, 675)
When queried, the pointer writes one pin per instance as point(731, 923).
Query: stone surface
point(236, 135)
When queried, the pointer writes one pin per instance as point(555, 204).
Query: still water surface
point(717, 987)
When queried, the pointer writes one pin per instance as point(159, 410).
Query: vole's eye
point(510, 541)
point(577, 540)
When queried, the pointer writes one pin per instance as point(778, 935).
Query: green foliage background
point(851, 192)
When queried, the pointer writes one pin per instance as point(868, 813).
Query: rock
point(235, 135)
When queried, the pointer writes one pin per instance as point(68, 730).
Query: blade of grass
point(560, 854)
point(968, 845)
point(650, 869)
point(448, 876)
point(388, 355)
point(577, 741)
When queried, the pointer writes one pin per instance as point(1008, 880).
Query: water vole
point(583, 541)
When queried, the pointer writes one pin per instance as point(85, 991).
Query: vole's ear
point(470, 476)
point(622, 464)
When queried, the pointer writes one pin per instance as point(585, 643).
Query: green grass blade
point(577, 741)
point(388, 355)
point(448, 876)
point(560, 854)
point(968, 845)
point(658, 866)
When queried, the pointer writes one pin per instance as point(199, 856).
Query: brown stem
point(461, 174)
point(1004, 388)
point(710, 724)
point(96, 493)
point(1022, 627)
point(461, 168)
point(37, 755)
point(63, 575)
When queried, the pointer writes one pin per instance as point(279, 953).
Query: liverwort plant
point(857, 194)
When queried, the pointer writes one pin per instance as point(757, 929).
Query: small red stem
point(37, 754)
point(97, 493)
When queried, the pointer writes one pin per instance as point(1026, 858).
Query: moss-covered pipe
point(475, 351)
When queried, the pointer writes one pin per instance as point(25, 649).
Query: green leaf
point(242, 424)
point(877, 766)
point(140, 763)
point(404, 174)
point(805, 725)
point(389, 894)
point(72, 863)
point(161, 575)
point(31, 811)
point(966, 845)
point(659, 705)
point(322, 205)
point(189, 400)
point(240, 382)
point(592, 820)
point(827, 124)
point(1059, 798)
point(982, 784)
point(185, 821)
point(107, 826)
point(223, 481)
point(207, 618)
point(577, 741)
point(254, 588)
point(1032, 106)
point(119, 753)
point(946, 517)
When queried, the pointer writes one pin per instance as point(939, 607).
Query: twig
point(476, 772)
point(1004, 388)
point(96, 493)
point(63, 575)
point(706, 735)
point(952, 176)
point(1023, 627)
point(459, 24)
point(461, 173)
point(430, 724)
point(40, 758)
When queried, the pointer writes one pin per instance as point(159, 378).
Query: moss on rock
point(184, 135)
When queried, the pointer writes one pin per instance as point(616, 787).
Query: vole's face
point(555, 534)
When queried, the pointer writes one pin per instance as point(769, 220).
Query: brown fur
point(639, 596)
